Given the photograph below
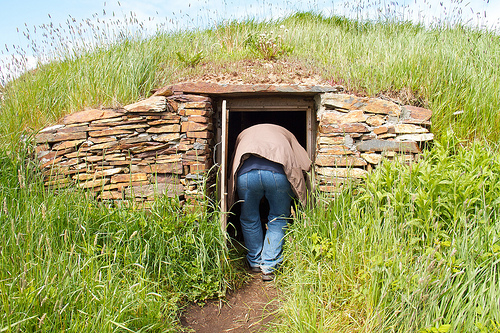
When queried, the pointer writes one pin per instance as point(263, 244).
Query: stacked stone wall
point(164, 145)
point(159, 146)
point(355, 134)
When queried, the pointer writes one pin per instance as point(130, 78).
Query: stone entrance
point(166, 144)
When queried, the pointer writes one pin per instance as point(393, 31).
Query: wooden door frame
point(256, 103)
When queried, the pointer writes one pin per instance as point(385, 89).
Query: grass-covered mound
point(70, 263)
point(448, 70)
point(415, 248)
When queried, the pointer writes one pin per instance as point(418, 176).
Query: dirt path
point(248, 309)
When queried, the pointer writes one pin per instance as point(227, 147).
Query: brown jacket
point(276, 144)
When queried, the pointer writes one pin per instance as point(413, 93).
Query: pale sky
point(26, 15)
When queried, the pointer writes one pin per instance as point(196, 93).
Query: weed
point(190, 60)
point(269, 45)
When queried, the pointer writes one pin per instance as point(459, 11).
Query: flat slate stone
point(335, 150)
point(197, 105)
point(164, 129)
point(342, 172)
point(350, 102)
point(133, 177)
point(380, 130)
point(175, 168)
point(409, 129)
point(109, 132)
point(200, 135)
point(169, 158)
point(151, 190)
point(125, 121)
point(108, 121)
point(70, 162)
point(199, 119)
point(198, 167)
point(58, 137)
point(51, 129)
point(94, 183)
point(372, 158)
point(331, 140)
point(130, 126)
point(151, 104)
point(194, 112)
point(225, 89)
point(146, 147)
point(98, 174)
point(386, 136)
point(63, 182)
point(90, 115)
point(355, 116)
point(344, 128)
point(110, 195)
point(416, 115)
point(331, 118)
point(376, 120)
point(136, 139)
point(55, 153)
point(416, 137)
point(120, 186)
point(339, 101)
point(165, 91)
point(382, 145)
point(189, 126)
point(192, 158)
point(380, 106)
point(67, 144)
point(167, 137)
point(101, 146)
point(189, 98)
point(341, 161)
point(102, 139)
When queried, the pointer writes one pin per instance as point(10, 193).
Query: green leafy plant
point(190, 60)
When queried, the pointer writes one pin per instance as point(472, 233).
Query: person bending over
point(268, 162)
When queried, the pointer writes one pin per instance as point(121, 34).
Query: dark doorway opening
point(294, 121)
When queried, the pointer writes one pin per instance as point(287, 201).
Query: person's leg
point(250, 191)
point(279, 193)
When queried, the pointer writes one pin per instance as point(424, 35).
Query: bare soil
point(257, 71)
point(287, 71)
point(248, 309)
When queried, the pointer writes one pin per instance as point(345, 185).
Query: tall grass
point(453, 70)
point(70, 263)
point(415, 249)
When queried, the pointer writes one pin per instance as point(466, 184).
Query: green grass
point(448, 70)
point(70, 263)
point(414, 248)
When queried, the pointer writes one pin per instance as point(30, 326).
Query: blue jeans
point(252, 186)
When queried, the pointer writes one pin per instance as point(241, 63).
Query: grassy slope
point(413, 248)
point(70, 263)
point(448, 69)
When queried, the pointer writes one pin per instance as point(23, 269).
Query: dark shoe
point(267, 277)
